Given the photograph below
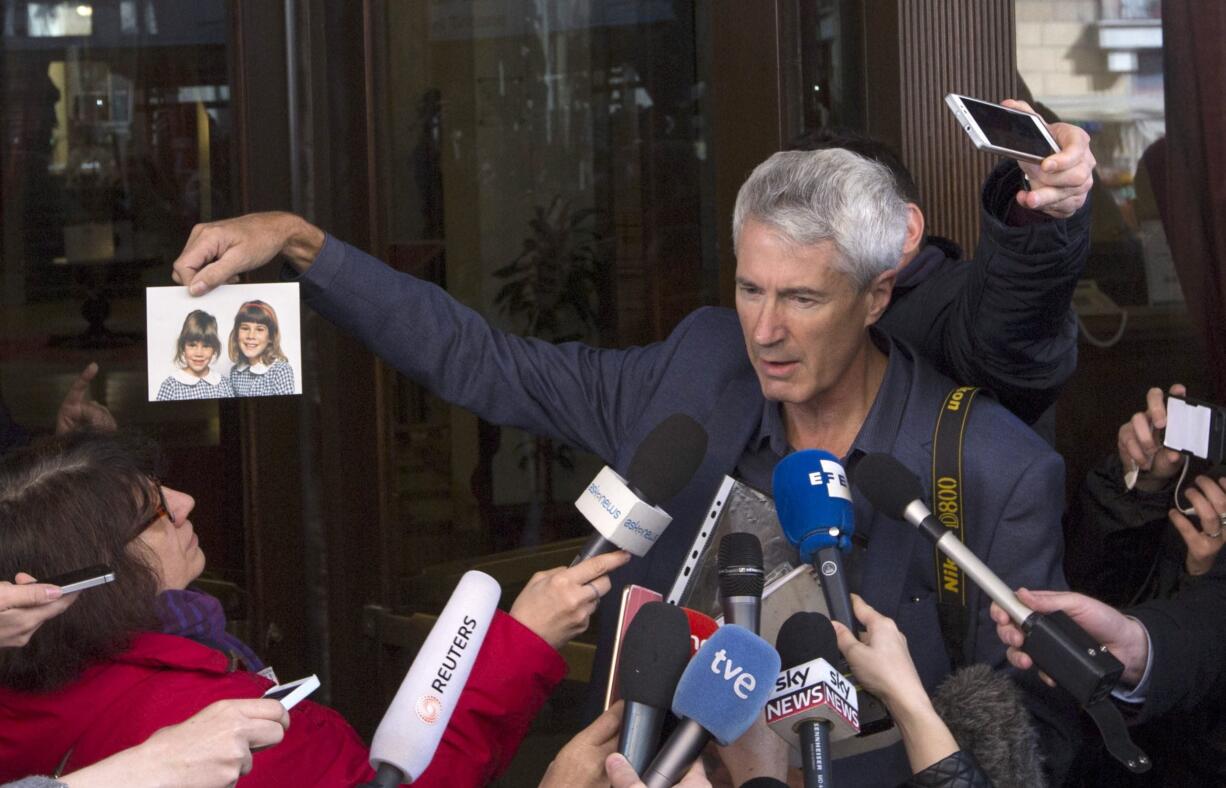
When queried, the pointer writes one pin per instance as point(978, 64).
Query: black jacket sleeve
point(955, 771)
point(1002, 320)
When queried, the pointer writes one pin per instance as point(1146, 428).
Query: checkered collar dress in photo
point(183, 385)
point(260, 380)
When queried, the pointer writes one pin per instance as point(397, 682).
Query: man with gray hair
point(798, 365)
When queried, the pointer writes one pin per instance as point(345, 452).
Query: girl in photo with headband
point(197, 349)
point(260, 368)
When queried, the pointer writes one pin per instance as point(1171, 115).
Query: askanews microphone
point(624, 512)
point(741, 579)
point(410, 731)
point(1058, 646)
point(812, 703)
point(654, 654)
point(813, 501)
point(719, 696)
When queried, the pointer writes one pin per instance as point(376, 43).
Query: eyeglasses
point(163, 509)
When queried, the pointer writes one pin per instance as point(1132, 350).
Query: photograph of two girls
point(238, 341)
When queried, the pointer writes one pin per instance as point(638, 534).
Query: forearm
point(924, 734)
point(302, 243)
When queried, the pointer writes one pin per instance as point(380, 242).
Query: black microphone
point(624, 512)
point(1058, 646)
point(807, 639)
point(987, 716)
point(655, 651)
point(741, 579)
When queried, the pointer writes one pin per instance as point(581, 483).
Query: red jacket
point(164, 679)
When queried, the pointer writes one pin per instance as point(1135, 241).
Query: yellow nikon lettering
point(949, 575)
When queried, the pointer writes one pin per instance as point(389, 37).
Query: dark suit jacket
point(606, 401)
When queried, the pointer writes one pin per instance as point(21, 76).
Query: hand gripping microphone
point(741, 579)
point(812, 703)
point(813, 501)
point(719, 696)
point(1059, 647)
point(624, 511)
point(411, 729)
point(654, 653)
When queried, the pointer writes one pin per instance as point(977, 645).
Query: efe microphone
point(813, 502)
point(624, 512)
point(720, 694)
point(812, 702)
point(741, 579)
point(654, 653)
point(1059, 647)
point(410, 731)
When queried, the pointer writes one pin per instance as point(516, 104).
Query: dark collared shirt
point(769, 444)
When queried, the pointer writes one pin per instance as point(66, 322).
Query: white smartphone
point(1196, 428)
point(1004, 131)
point(293, 692)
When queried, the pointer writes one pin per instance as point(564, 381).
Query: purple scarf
point(199, 617)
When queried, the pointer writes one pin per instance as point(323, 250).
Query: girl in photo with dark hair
point(198, 347)
point(260, 368)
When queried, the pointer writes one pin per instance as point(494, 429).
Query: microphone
point(411, 729)
point(985, 713)
point(812, 703)
point(720, 694)
point(624, 511)
point(813, 501)
point(741, 579)
point(655, 651)
point(1058, 646)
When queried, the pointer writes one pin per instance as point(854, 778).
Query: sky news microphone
point(741, 579)
point(812, 703)
point(624, 512)
point(719, 696)
point(813, 501)
point(410, 731)
point(1059, 647)
point(654, 654)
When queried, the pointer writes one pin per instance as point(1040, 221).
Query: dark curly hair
point(70, 502)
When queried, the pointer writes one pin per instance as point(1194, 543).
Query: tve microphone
point(410, 731)
point(1060, 648)
point(741, 579)
point(813, 501)
point(624, 511)
point(984, 711)
point(719, 696)
point(654, 654)
point(812, 703)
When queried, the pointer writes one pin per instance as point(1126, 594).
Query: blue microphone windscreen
point(812, 495)
point(727, 683)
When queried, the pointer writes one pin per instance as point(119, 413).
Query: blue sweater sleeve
point(584, 396)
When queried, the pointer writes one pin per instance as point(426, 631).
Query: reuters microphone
point(812, 703)
point(813, 501)
point(624, 512)
point(410, 731)
point(720, 694)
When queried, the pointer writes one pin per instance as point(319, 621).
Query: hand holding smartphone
point(1006, 132)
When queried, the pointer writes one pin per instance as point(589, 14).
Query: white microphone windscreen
point(410, 731)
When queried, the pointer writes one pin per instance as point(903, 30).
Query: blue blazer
point(606, 401)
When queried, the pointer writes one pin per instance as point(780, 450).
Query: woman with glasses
point(143, 652)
